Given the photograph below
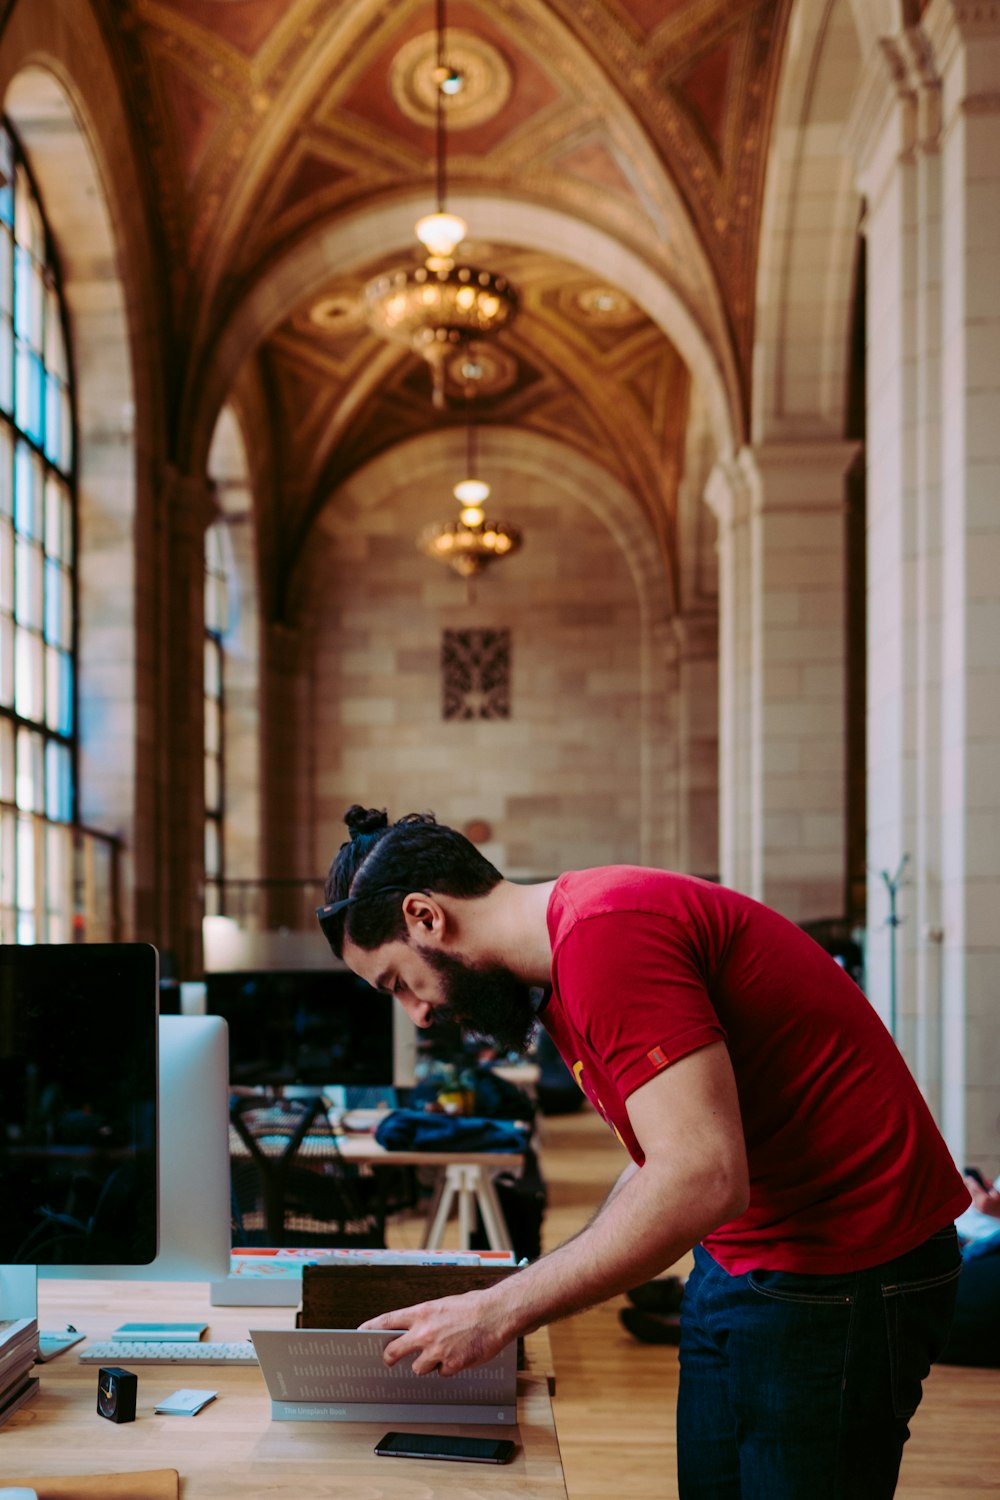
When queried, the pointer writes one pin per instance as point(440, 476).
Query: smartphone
point(434, 1445)
point(976, 1176)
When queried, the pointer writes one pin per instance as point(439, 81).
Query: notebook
point(337, 1375)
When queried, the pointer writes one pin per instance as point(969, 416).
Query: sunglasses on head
point(327, 915)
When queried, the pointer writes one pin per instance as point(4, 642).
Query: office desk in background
point(232, 1450)
point(464, 1180)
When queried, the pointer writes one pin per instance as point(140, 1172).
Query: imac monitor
point(78, 1071)
point(195, 1204)
point(310, 1026)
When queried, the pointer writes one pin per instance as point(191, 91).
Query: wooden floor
point(615, 1397)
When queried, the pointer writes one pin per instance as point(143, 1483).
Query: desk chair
point(291, 1186)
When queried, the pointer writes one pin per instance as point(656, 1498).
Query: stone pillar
point(698, 744)
point(186, 506)
point(928, 146)
point(728, 495)
point(782, 673)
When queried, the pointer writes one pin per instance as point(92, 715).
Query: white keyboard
point(239, 1352)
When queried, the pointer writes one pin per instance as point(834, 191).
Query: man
point(772, 1126)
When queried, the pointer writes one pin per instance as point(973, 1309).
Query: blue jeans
point(799, 1387)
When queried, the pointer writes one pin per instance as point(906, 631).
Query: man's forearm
point(646, 1223)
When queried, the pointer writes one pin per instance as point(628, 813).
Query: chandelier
point(442, 305)
point(472, 542)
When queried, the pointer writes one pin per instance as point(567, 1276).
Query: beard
point(490, 1003)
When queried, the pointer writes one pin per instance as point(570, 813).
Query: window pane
point(22, 292)
point(58, 782)
point(6, 471)
point(55, 347)
point(6, 763)
point(59, 691)
point(211, 784)
point(29, 393)
point(27, 492)
point(6, 271)
point(66, 431)
point(28, 679)
point(6, 567)
point(6, 365)
point(53, 419)
point(213, 670)
point(212, 739)
point(25, 894)
point(28, 574)
point(6, 661)
point(58, 521)
point(8, 862)
point(211, 848)
point(30, 771)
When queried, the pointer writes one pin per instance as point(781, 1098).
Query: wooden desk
point(465, 1180)
point(232, 1450)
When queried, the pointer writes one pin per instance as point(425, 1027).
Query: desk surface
point(232, 1449)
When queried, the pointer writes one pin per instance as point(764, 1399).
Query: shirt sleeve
point(633, 985)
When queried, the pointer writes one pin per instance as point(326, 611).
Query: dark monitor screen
point(317, 1026)
point(78, 1061)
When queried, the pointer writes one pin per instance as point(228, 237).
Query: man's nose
point(419, 1011)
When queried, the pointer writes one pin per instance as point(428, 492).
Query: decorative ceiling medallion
point(486, 80)
point(340, 312)
point(482, 369)
point(606, 304)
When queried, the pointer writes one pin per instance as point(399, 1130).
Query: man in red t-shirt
point(771, 1123)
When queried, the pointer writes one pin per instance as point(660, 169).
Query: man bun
point(362, 821)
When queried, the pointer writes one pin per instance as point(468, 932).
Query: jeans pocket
point(797, 1287)
point(918, 1316)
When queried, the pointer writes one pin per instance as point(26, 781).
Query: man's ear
point(425, 918)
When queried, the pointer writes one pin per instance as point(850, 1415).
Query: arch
point(809, 232)
point(575, 479)
point(342, 247)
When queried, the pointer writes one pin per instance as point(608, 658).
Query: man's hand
point(446, 1335)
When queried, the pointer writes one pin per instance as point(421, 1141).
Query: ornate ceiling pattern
point(263, 121)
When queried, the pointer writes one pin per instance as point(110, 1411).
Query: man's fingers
point(402, 1318)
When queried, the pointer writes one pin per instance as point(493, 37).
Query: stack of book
point(18, 1347)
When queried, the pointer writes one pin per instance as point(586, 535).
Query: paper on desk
point(184, 1403)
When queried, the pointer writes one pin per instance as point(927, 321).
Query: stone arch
point(576, 480)
point(341, 247)
point(809, 235)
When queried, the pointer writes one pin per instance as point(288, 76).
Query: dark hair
point(416, 853)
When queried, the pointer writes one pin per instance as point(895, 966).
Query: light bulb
point(440, 232)
point(472, 515)
point(471, 491)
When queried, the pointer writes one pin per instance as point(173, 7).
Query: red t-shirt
point(847, 1167)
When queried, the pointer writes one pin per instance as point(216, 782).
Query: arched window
point(37, 573)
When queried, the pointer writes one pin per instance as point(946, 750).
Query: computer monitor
point(78, 1080)
point(194, 1177)
point(310, 1026)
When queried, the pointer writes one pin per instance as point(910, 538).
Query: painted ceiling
point(264, 121)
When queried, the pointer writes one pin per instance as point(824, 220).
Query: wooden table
point(232, 1450)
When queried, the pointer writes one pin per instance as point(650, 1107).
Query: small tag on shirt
point(658, 1057)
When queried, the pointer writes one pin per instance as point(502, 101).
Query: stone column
point(928, 146)
point(782, 673)
point(728, 495)
point(698, 743)
point(177, 745)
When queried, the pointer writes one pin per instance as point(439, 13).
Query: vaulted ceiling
point(264, 122)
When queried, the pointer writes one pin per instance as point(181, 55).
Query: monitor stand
point(18, 1292)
